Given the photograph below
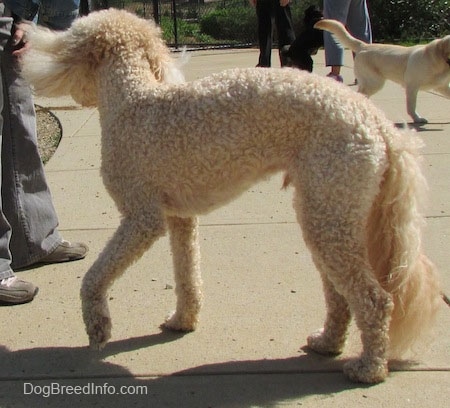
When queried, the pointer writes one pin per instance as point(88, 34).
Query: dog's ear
point(53, 71)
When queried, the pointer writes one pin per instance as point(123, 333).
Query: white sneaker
point(15, 291)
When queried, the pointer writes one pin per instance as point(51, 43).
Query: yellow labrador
point(421, 67)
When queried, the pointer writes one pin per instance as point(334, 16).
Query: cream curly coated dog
point(174, 150)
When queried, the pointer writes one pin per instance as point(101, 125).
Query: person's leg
point(285, 28)
point(27, 202)
point(5, 228)
point(265, 16)
point(358, 21)
point(334, 52)
point(57, 14)
point(12, 289)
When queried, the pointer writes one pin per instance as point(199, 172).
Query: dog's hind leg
point(129, 242)
point(369, 81)
point(332, 208)
point(331, 339)
point(369, 87)
point(186, 260)
point(349, 281)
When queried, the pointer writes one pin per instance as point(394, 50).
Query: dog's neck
point(134, 79)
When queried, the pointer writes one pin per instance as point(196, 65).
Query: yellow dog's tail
point(395, 251)
point(339, 30)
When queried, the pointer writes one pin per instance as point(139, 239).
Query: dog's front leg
point(411, 101)
point(186, 261)
point(129, 242)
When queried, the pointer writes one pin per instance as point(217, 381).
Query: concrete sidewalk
point(263, 295)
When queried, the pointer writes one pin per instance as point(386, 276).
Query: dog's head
point(439, 52)
point(312, 15)
point(444, 48)
point(71, 62)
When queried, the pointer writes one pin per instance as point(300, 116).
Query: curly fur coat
point(173, 150)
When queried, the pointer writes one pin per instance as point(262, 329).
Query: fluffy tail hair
point(395, 251)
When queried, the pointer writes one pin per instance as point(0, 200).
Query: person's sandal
point(335, 77)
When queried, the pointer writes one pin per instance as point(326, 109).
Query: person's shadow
point(36, 378)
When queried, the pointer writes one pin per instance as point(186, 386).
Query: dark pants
point(267, 12)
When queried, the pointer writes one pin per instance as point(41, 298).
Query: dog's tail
point(338, 29)
point(395, 251)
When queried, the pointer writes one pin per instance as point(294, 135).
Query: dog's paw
point(99, 332)
point(97, 321)
point(326, 345)
point(368, 371)
point(178, 322)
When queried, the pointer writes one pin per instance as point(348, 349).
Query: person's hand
point(18, 40)
point(284, 3)
point(252, 2)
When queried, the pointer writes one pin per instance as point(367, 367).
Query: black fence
point(225, 23)
point(193, 9)
point(192, 23)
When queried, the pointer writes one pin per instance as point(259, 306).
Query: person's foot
point(14, 291)
point(336, 77)
point(66, 252)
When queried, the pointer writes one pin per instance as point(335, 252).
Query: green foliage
point(409, 19)
point(234, 21)
point(189, 32)
point(231, 22)
point(392, 20)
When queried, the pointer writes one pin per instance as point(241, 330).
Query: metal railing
point(180, 20)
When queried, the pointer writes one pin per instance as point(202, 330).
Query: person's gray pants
point(355, 16)
point(28, 219)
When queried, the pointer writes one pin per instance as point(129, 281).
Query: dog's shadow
point(265, 382)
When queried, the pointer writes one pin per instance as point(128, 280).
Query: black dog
point(307, 43)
